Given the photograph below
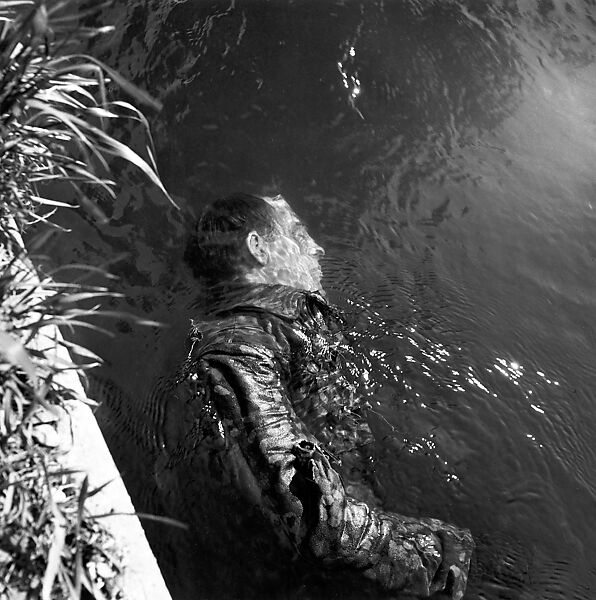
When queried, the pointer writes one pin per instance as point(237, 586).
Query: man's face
point(294, 255)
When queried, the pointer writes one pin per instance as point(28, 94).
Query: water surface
point(443, 153)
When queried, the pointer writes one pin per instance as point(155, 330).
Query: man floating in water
point(249, 445)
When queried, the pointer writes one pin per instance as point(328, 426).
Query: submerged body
point(261, 412)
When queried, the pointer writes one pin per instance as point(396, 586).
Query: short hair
point(215, 252)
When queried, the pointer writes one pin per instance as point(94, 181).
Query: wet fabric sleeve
point(300, 486)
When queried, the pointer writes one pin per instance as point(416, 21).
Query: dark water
point(444, 155)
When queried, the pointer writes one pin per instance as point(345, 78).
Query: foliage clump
point(49, 548)
point(54, 132)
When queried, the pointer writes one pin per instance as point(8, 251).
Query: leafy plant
point(55, 123)
point(55, 112)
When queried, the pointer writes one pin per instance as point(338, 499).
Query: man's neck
point(268, 276)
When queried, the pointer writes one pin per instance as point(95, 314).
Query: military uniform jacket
point(262, 394)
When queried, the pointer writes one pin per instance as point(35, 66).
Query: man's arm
point(417, 556)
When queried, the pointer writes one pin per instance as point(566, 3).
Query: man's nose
point(317, 250)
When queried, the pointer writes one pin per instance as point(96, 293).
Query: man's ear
point(257, 246)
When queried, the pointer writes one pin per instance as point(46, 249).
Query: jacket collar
point(281, 300)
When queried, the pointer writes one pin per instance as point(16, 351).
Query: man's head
point(254, 239)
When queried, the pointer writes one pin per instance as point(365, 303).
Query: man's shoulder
point(275, 319)
point(237, 332)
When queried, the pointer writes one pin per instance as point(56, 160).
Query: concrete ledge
point(142, 578)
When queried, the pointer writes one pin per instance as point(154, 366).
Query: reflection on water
point(443, 154)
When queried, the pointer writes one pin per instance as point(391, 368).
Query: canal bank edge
point(86, 452)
